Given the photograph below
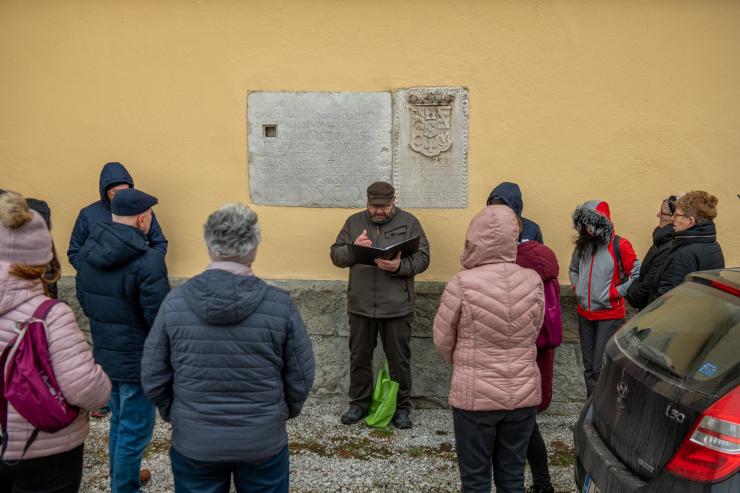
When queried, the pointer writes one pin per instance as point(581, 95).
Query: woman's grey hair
point(232, 231)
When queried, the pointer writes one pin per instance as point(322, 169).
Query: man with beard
point(380, 298)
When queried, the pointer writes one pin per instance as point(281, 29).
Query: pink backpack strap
point(44, 308)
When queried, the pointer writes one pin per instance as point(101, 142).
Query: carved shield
point(430, 125)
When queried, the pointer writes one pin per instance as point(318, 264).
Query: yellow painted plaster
point(623, 101)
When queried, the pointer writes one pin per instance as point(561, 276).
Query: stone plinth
point(323, 307)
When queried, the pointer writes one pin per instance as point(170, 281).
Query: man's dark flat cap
point(132, 202)
point(380, 192)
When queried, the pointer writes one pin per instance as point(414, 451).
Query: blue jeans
point(131, 426)
point(193, 476)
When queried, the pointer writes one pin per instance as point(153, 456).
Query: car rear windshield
point(692, 332)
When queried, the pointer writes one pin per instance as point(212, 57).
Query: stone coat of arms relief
point(431, 118)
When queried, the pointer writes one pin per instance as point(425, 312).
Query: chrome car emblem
point(622, 393)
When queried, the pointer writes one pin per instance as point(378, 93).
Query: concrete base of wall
point(323, 307)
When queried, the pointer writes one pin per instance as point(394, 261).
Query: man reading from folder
point(380, 298)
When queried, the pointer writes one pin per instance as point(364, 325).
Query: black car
point(665, 413)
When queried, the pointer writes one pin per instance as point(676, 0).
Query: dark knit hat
point(380, 193)
point(132, 202)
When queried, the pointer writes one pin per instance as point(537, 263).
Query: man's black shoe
point(352, 416)
point(402, 420)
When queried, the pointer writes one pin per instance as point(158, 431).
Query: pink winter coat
point(488, 320)
point(83, 383)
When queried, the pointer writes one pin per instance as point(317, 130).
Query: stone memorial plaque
point(317, 149)
point(430, 147)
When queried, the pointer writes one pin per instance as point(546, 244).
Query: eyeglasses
point(676, 214)
point(667, 214)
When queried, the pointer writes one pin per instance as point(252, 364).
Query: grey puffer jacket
point(227, 362)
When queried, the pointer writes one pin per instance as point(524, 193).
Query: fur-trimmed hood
point(594, 219)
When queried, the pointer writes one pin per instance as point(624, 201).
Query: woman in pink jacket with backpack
point(39, 461)
point(486, 326)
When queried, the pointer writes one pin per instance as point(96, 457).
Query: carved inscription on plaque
point(317, 149)
point(430, 147)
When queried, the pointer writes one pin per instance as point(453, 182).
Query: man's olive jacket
point(374, 292)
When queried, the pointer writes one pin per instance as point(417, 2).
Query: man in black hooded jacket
point(510, 195)
point(113, 177)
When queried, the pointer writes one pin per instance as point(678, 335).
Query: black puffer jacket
point(644, 290)
point(227, 362)
point(693, 249)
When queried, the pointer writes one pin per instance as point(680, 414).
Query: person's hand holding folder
point(389, 265)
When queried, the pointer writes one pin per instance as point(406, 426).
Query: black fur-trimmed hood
point(593, 218)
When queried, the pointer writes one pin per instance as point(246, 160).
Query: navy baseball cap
point(132, 202)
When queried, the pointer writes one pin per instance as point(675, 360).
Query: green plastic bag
point(384, 400)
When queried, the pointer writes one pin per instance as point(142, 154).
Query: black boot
point(353, 415)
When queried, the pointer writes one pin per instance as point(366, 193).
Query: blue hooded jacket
point(111, 174)
point(511, 195)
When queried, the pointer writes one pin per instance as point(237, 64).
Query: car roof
point(729, 276)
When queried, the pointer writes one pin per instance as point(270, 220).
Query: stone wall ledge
point(322, 304)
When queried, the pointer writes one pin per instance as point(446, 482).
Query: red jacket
point(541, 259)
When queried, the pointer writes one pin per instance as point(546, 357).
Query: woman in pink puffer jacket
point(486, 326)
point(54, 460)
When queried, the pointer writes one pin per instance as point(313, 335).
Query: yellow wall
point(626, 101)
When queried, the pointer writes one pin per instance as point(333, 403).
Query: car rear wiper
point(659, 359)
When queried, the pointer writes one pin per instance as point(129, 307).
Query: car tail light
point(726, 288)
point(711, 451)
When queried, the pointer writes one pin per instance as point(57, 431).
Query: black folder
point(367, 255)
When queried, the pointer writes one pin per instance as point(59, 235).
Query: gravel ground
point(327, 456)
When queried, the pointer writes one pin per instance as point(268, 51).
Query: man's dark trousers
point(396, 336)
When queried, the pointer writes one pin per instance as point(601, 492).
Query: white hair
point(232, 231)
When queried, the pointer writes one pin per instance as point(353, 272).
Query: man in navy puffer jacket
point(113, 177)
point(121, 282)
point(227, 362)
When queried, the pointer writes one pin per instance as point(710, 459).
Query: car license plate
point(589, 486)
